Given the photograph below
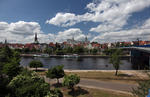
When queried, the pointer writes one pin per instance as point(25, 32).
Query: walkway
point(104, 85)
point(107, 85)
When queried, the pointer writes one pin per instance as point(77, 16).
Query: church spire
point(86, 39)
point(5, 41)
point(36, 39)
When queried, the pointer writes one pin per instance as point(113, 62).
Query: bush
point(28, 86)
point(142, 89)
point(35, 64)
point(71, 80)
point(56, 72)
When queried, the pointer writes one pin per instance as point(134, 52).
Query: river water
point(79, 63)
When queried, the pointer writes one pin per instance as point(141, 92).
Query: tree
point(12, 68)
point(48, 51)
point(35, 64)
point(28, 86)
point(94, 51)
point(115, 60)
point(56, 72)
point(5, 55)
point(55, 93)
point(26, 50)
point(71, 80)
point(142, 89)
point(3, 85)
point(10, 60)
point(68, 50)
point(59, 52)
point(79, 50)
point(9, 68)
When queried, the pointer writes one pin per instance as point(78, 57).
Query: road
point(107, 85)
point(104, 85)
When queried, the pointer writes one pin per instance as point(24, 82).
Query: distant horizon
point(102, 21)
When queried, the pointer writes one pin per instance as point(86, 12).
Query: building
point(36, 39)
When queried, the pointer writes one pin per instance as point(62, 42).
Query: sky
point(58, 20)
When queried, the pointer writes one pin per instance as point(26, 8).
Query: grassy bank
point(98, 75)
point(86, 92)
point(128, 77)
point(110, 76)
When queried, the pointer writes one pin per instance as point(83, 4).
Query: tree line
point(16, 81)
point(61, 51)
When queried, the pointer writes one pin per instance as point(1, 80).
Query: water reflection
point(79, 63)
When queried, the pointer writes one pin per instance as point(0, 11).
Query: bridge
point(143, 49)
point(140, 56)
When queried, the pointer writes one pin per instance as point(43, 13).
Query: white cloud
point(69, 34)
point(63, 19)
point(19, 31)
point(105, 28)
point(112, 14)
point(142, 32)
point(146, 24)
point(23, 32)
point(25, 28)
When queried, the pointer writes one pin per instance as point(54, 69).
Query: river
point(79, 63)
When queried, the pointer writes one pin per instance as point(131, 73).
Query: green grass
point(108, 76)
point(105, 76)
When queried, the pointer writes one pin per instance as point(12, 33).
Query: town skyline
point(102, 21)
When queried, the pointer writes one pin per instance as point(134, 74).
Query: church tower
point(36, 39)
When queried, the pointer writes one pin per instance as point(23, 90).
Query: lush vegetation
point(16, 81)
point(143, 88)
point(28, 85)
point(56, 72)
point(9, 68)
point(71, 80)
point(58, 50)
point(115, 59)
point(35, 64)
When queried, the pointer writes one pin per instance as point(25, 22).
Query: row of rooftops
point(66, 44)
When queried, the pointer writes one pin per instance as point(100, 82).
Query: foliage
point(79, 50)
point(26, 50)
point(28, 86)
point(59, 52)
point(55, 93)
point(9, 68)
point(109, 51)
point(94, 51)
point(3, 85)
point(56, 72)
point(48, 51)
point(12, 69)
point(35, 64)
point(5, 54)
point(68, 50)
point(71, 80)
point(9, 62)
point(142, 89)
point(115, 60)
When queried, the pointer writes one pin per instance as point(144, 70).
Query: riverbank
point(103, 80)
point(124, 76)
point(82, 56)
